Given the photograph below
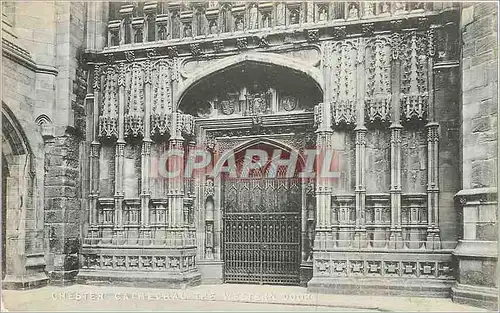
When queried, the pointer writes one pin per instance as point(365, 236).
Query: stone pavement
point(227, 297)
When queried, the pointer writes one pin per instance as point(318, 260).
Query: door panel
point(262, 230)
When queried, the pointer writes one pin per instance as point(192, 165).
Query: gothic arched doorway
point(23, 262)
point(262, 206)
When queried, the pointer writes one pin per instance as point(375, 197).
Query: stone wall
point(476, 253)
point(63, 177)
point(480, 99)
point(62, 207)
point(43, 87)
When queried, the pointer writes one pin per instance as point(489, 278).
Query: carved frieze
point(384, 268)
point(378, 86)
point(414, 95)
point(139, 262)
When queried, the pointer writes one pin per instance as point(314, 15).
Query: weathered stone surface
point(483, 173)
point(481, 124)
point(478, 272)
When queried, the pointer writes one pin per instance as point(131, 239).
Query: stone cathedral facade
point(402, 93)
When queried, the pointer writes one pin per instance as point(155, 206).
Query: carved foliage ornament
point(414, 95)
point(343, 101)
point(263, 41)
point(162, 98)
point(160, 124)
point(242, 43)
point(97, 78)
point(218, 45)
point(195, 49)
point(312, 35)
point(378, 89)
point(339, 33)
point(209, 188)
point(318, 115)
point(134, 111)
point(108, 127)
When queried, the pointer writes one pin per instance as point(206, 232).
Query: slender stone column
point(433, 237)
point(146, 147)
point(175, 163)
point(395, 238)
point(323, 185)
point(360, 191)
point(95, 148)
point(360, 130)
point(120, 146)
point(189, 164)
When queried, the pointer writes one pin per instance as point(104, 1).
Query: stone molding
point(265, 58)
point(476, 249)
point(469, 194)
point(21, 56)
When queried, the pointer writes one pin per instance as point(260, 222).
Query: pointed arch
point(269, 59)
point(13, 132)
point(272, 143)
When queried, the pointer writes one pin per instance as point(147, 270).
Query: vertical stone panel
point(106, 171)
point(158, 182)
point(343, 160)
point(132, 170)
point(378, 161)
point(414, 156)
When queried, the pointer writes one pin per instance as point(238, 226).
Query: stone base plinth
point(22, 282)
point(63, 278)
point(396, 273)
point(149, 279)
point(212, 271)
point(306, 273)
point(485, 297)
point(381, 287)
